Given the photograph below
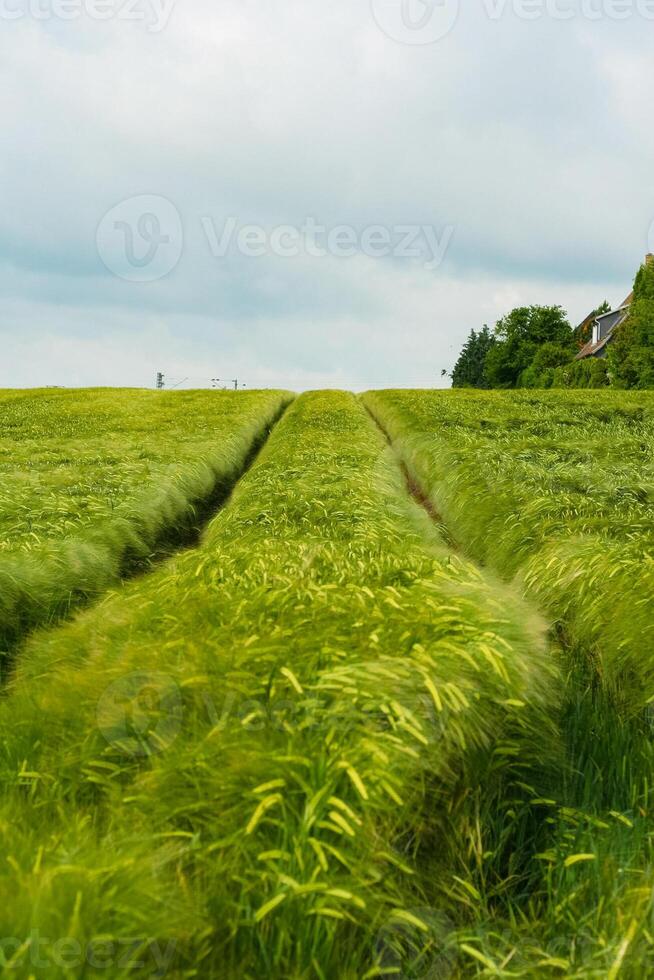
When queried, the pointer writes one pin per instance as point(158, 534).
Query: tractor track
point(173, 540)
point(416, 491)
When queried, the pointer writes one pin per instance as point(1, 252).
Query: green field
point(555, 488)
point(94, 484)
point(376, 704)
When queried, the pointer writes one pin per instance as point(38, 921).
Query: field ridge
point(45, 585)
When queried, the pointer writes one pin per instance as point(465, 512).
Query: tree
point(519, 336)
point(541, 371)
point(470, 369)
point(631, 353)
point(591, 372)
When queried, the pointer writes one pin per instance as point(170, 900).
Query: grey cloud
point(531, 139)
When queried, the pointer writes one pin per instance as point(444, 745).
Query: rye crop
point(94, 484)
point(314, 746)
point(554, 491)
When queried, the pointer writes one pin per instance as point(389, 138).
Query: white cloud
point(531, 138)
point(415, 331)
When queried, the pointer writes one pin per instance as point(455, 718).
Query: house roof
point(619, 309)
point(590, 319)
point(590, 348)
point(619, 314)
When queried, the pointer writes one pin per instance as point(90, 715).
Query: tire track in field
point(173, 540)
point(187, 536)
point(556, 644)
point(417, 492)
point(593, 779)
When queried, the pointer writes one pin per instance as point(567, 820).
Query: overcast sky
point(305, 194)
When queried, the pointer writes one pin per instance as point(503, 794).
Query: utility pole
point(215, 383)
point(160, 381)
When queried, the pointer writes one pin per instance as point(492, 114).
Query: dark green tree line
point(535, 347)
point(470, 369)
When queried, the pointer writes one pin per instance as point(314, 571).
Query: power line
point(164, 381)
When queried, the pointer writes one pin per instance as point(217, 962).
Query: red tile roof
point(590, 348)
